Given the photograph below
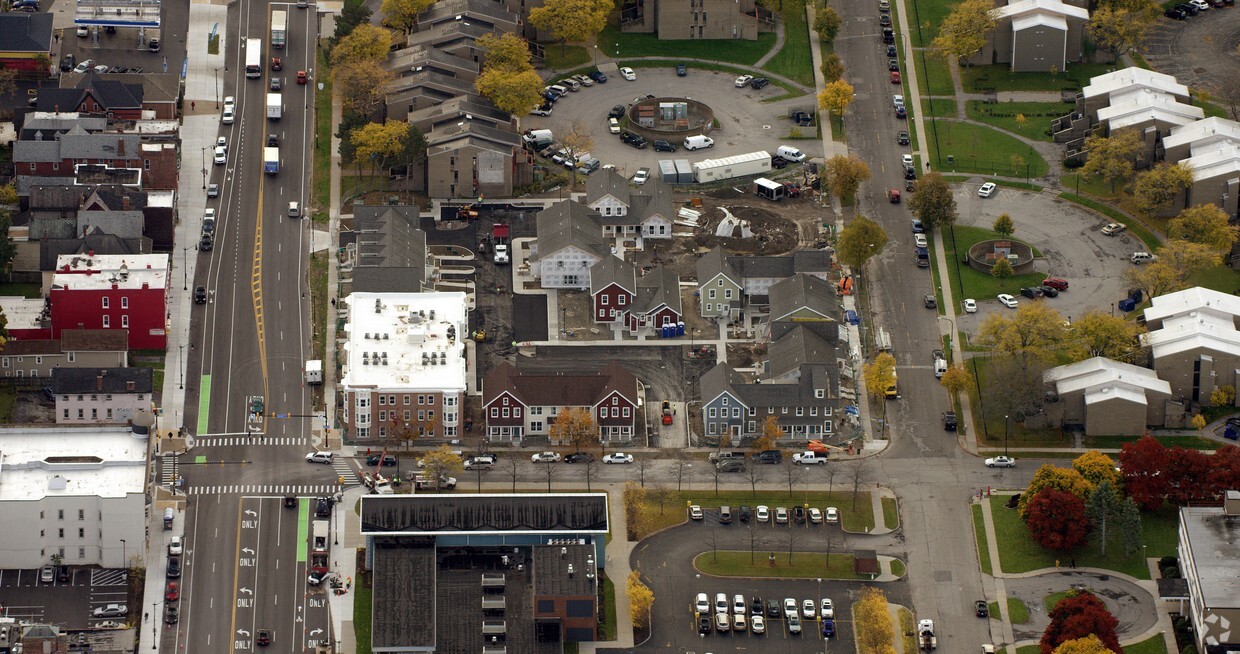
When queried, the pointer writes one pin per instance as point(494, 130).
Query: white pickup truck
point(809, 458)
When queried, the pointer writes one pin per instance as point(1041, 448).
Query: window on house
point(710, 294)
point(106, 302)
point(623, 299)
point(819, 393)
point(406, 398)
point(627, 412)
point(505, 413)
point(602, 412)
point(124, 302)
point(382, 400)
point(713, 412)
point(125, 322)
point(146, 164)
point(107, 322)
point(751, 426)
point(60, 532)
point(494, 412)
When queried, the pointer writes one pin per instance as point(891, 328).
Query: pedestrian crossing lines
point(256, 439)
point(109, 577)
point(346, 475)
point(167, 468)
point(269, 490)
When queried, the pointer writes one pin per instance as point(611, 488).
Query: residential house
point(92, 95)
point(470, 159)
point(613, 287)
point(26, 318)
point(735, 408)
point(720, 294)
point(627, 211)
point(404, 366)
point(720, 277)
point(76, 348)
point(700, 19)
point(521, 404)
point(568, 246)
point(26, 41)
point(491, 16)
point(657, 305)
point(1207, 541)
point(804, 301)
point(154, 164)
point(112, 292)
point(1106, 397)
point(619, 296)
point(96, 242)
point(798, 352)
point(1036, 35)
point(389, 250)
point(1194, 343)
point(110, 396)
point(48, 125)
point(1211, 148)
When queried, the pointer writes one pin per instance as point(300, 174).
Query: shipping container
point(741, 165)
point(684, 171)
point(667, 171)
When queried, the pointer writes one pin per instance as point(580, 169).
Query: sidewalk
point(830, 147)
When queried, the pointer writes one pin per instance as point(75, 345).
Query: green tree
point(1205, 224)
point(827, 23)
point(403, 14)
point(860, 240)
point(933, 202)
point(1098, 334)
point(1153, 190)
point(964, 31)
point(361, 84)
point(515, 93)
point(1112, 158)
point(832, 67)
point(1002, 269)
point(364, 43)
point(571, 20)
point(1178, 260)
point(835, 97)
point(352, 14)
point(846, 174)
point(1004, 225)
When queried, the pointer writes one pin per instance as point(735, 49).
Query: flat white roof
point(1219, 161)
point(1098, 373)
point(22, 312)
point(71, 462)
point(102, 271)
point(165, 198)
point(1139, 105)
point(410, 341)
point(733, 160)
point(1191, 331)
point(1059, 8)
point(1133, 77)
point(1197, 298)
point(1204, 132)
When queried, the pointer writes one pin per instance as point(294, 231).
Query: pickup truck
point(809, 458)
point(925, 635)
point(724, 456)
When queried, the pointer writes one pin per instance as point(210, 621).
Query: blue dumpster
point(1127, 304)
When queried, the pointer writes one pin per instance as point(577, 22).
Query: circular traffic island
point(669, 119)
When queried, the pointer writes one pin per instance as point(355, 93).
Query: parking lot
point(64, 602)
point(746, 122)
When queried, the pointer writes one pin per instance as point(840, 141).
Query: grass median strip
point(797, 565)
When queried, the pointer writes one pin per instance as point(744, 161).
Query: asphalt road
point(245, 568)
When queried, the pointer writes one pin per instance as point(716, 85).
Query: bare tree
point(659, 495)
point(830, 471)
point(710, 537)
point(794, 538)
point(591, 469)
point(857, 472)
point(793, 474)
point(683, 468)
point(755, 473)
point(833, 539)
point(642, 463)
point(714, 470)
point(757, 541)
point(549, 470)
point(511, 465)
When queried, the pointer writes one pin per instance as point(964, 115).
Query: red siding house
point(613, 286)
point(619, 296)
point(518, 404)
point(112, 292)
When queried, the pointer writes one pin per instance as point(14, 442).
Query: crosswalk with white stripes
point(345, 472)
point(109, 577)
point(272, 490)
point(234, 441)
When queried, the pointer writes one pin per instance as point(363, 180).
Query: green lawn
point(1017, 612)
point(1000, 77)
point(979, 530)
point(891, 513)
point(976, 149)
point(1116, 442)
point(938, 108)
point(566, 57)
point(794, 61)
point(1220, 278)
point(1090, 184)
point(608, 626)
point(1152, 645)
point(803, 565)
point(1037, 116)
point(673, 511)
point(361, 617)
point(975, 283)
point(1021, 554)
point(898, 568)
point(925, 19)
point(936, 76)
point(318, 299)
point(617, 44)
point(17, 289)
point(321, 183)
point(1051, 600)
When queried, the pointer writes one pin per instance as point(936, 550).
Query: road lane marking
point(204, 403)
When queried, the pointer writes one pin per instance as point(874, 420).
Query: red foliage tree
point(1190, 477)
point(1143, 464)
point(1226, 464)
point(1057, 519)
point(1078, 616)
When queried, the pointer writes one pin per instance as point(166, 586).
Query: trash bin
point(1127, 304)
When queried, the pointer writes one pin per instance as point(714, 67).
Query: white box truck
point(321, 538)
point(314, 371)
point(275, 106)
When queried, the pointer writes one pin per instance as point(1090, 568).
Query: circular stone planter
point(983, 255)
point(669, 119)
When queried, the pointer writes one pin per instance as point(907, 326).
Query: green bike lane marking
point(204, 403)
point(303, 528)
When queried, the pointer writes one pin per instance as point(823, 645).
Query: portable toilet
point(680, 328)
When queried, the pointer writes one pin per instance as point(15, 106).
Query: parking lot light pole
point(124, 553)
point(1007, 430)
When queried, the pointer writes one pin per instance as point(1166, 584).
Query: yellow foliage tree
point(505, 51)
point(641, 600)
point(872, 621)
point(957, 379)
point(771, 433)
point(880, 374)
point(571, 20)
point(441, 461)
point(360, 83)
point(1205, 224)
point(1223, 396)
point(963, 32)
point(365, 43)
point(835, 97)
point(1199, 422)
point(1033, 331)
point(1067, 480)
point(516, 93)
point(634, 499)
point(379, 143)
point(576, 427)
point(403, 14)
point(1088, 645)
point(1096, 468)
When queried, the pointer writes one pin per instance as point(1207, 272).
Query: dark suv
point(769, 456)
point(616, 111)
point(949, 420)
point(634, 140)
point(1031, 292)
point(664, 146)
point(759, 82)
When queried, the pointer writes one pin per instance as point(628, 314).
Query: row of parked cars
point(751, 616)
point(553, 92)
point(799, 514)
point(1194, 7)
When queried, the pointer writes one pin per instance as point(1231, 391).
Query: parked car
point(389, 460)
point(884, 20)
point(176, 546)
point(618, 457)
point(1031, 292)
point(68, 62)
point(1001, 462)
point(47, 574)
point(743, 80)
point(759, 82)
point(628, 74)
point(757, 624)
point(616, 111)
point(704, 625)
point(949, 420)
point(893, 65)
point(1056, 283)
point(832, 515)
point(641, 176)
point(781, 515)
point(543, 109)
point(1111, 229)
point(664, 146)
point(598, 76)
point(763, 513)
point(1008, 301)
point(579, 457)
point(110, 611)
point(545, 457)
point(681, 70)
point(695, 512)
point(901, 112)
point(815, 515)
point(200, 295)
point(988, 189)
point(1049, 291)
point(970, 306)
point(981, 609)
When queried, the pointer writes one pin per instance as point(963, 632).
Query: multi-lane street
point(245, 561)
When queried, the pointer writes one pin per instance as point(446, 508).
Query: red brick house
point(118, 292)
point(613, 287)
point(155, 163)
point(519, 404)
point(618, 296)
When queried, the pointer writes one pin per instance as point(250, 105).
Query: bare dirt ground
point(30, 409)
point(744, 355)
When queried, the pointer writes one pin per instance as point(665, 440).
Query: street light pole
point(181, 356)
point(1007, 430)
point(185, 268)
point(204, 169)
point(124, 553)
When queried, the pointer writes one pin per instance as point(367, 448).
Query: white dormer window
point(819, 393)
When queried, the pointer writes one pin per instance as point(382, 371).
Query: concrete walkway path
point(779, 44)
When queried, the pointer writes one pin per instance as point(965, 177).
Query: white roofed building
point(1035, 36)
point(1211, 148)
point(79, 493)
point(1106, 397)
point(1193, 342)
point(112, 291)
point(404, 372)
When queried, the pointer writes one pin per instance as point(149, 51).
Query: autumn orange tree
point(576, 427)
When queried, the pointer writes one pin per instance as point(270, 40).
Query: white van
point(1142, 257)
point(558, 89)
point(790, 153)
point(940, 367)
point(698, 142)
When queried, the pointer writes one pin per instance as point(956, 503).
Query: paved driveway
point(1070, 239)
point(65, 603)
point(1199, 51)
point(746, 122)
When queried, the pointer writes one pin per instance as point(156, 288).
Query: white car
point(721, 603)
point(1113, 228)
point(222, 142)
point(84, 66)
point(781, 515)
point(319, 457)
point(743, 81)
point(221, 155)
point(764, 513)
point(790, 607)
point(738, 604)
point(176, 546)
point(695, 512)
point(757, 624)
point(833, 515)
point(101, 69)
point(230, 102)
point(920, 240)
point(701, 604)
point(827, 610)
point(228, 116)
point(815, 515)
point(970, 306)
point(897, 101)
point(82, 31)
point(618, 457)
point(627, 73)
point(1201, 5)
point(613, 125)
point(1008, 301)
point(906, 159)
point(641, 176)
point(1001, 462)
point(545, 457)
point(988, 189)
point(809, 610)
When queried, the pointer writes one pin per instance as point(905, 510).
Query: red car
point(1056, 283)
point(301, 77)
point(173, 592)
point(894, 196)
point(895, 77)
point(276, 64)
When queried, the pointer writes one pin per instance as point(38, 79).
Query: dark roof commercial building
point(25, 38)
point(481, 573)
point(1208, 538)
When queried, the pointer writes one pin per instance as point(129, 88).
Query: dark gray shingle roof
point(102, 380)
